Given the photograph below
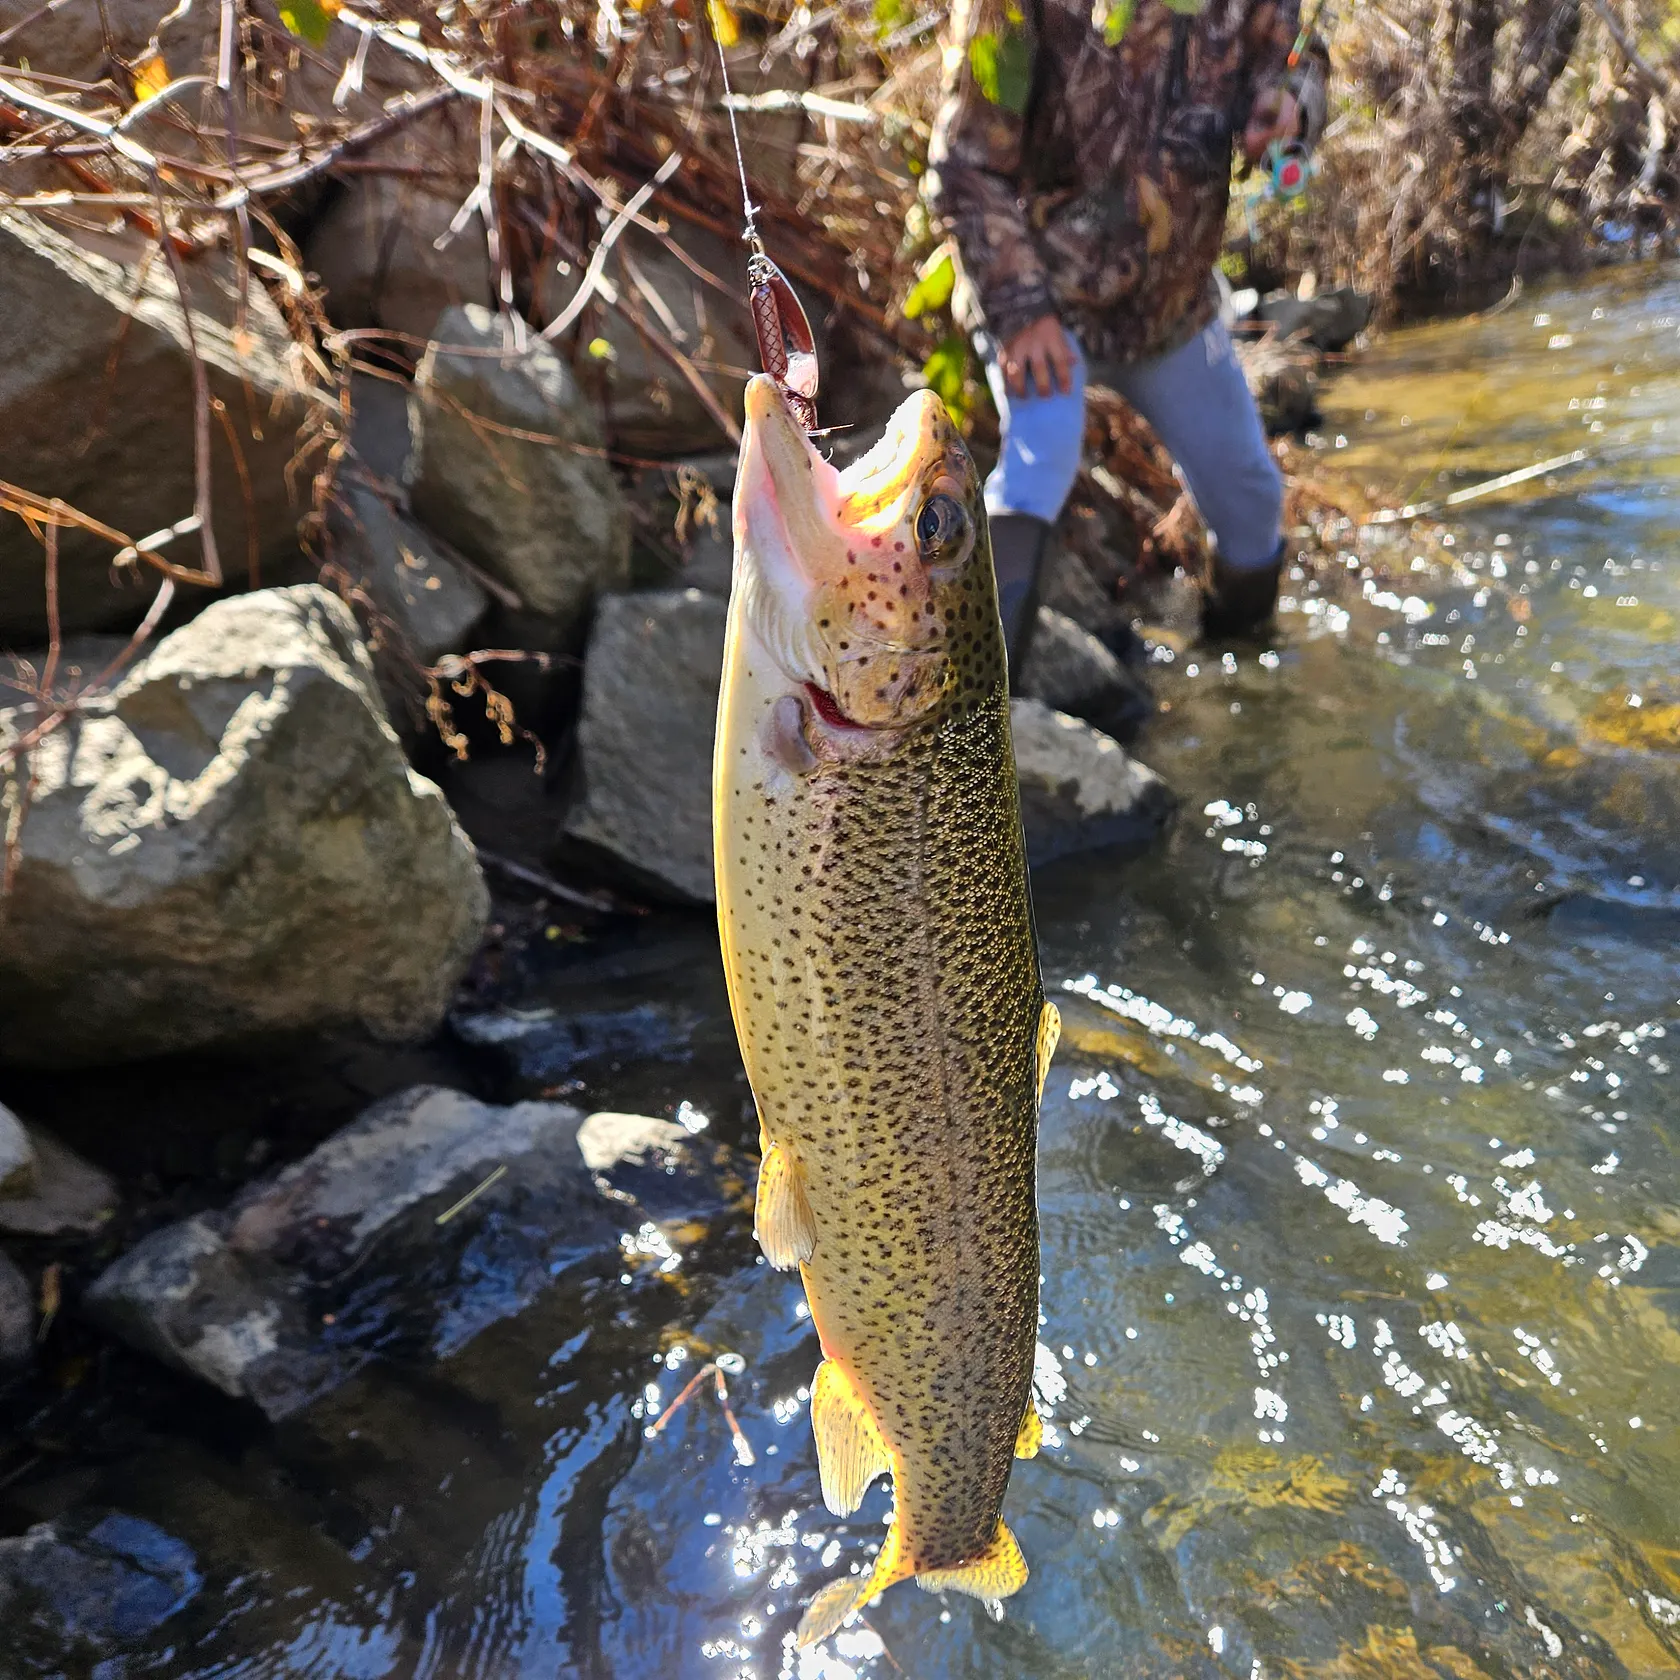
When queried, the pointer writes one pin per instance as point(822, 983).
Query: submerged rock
point(17, 1156)
point(17, 1317)
point(650, 695)
point(96, 1579)
point(429, 1218)
point(545, 518)
point(1079, 789)
point(1071, 671)
point(540, 1046)
point(69, 1195)
point(113, 434)
point(232, 845)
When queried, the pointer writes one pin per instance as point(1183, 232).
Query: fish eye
point(941, 525)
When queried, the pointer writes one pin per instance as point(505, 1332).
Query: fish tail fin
point(995, 1573)
point(835, 1604)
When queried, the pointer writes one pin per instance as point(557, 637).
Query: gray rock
point(103, 1577)
point(182, 1296)
point(1079, 789)
point(17, 1317)
point(1071, 671)
point(652, 409)
point(380, 437)
point(69, 1195)
point(546, 519)
point(427, 1219)
point(69, 299)
point(374, 251)
point(17, 1156)
point(650, 690)
point(232, 845)
point(432, 602)
point(1329, 321)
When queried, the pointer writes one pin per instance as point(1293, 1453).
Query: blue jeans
point(1200, 406)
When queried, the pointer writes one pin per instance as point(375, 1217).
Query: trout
point(883, 975)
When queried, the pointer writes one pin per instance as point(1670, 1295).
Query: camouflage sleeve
point(974, 182)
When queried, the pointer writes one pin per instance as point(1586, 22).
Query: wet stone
point(1070, 670)
point(17, 1156)
point(69, 1195)
point(539, 1047)
point(93, 1581)
point(1080, 790)
point(412, 1230)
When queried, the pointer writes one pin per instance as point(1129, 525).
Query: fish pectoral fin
point(850, 1451)
point(782, 1216)
point(834, 1606)
point(996, 1573)
point(1031, 1437)
point(1049, 1036)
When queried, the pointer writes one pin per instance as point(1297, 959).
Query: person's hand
point(1276, 116)
point(1039, 358)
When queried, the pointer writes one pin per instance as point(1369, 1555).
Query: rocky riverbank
point(359, 656)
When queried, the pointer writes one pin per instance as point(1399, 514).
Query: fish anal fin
point(1031, 1437)
point(850, 1450)
point(996, 1573)
point(782, 1216)
point(1049, 1035)
point(834, 1606)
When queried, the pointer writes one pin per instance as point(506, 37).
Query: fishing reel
point(1289, 167)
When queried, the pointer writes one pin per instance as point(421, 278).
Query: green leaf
point(1113, 18)
point(1002, 67)
point(946, 372)
point(933, 290)
point(891, 15)
point(310, 19)
point(1186, 8)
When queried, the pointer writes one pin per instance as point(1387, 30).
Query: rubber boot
point(1019, 541)
point(1241, 599)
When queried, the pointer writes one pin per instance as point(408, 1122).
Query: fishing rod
point(786, 346)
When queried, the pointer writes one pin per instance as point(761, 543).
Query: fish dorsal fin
point(850, 1451)
point(1049, 1035)
point(996, 1573)
point(782, 1216)
point(834, 1606)
point(1031, 1437)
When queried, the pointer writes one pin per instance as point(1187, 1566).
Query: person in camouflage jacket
point(1082, 162)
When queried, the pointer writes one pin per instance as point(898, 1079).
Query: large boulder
point(69, 1196)
point(96, 407)
point(231, 845)
point(428, 1219)
point(650, 694)
point(650, 688)
point(1080, 790)
point(546, 518)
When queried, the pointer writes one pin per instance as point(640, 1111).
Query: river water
point(1361, 1340)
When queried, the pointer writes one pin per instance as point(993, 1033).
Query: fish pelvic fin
point(1049, 1035)
point(1031, 1437)
point(850, 1451)
point(782, 1216)
point(840, 1600)
point(995, 1573)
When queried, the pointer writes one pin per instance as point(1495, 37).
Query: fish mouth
point(828, 710)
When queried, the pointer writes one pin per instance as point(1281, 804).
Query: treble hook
point(786, 347)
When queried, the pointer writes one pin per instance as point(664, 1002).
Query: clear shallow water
point(1361, 1235)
